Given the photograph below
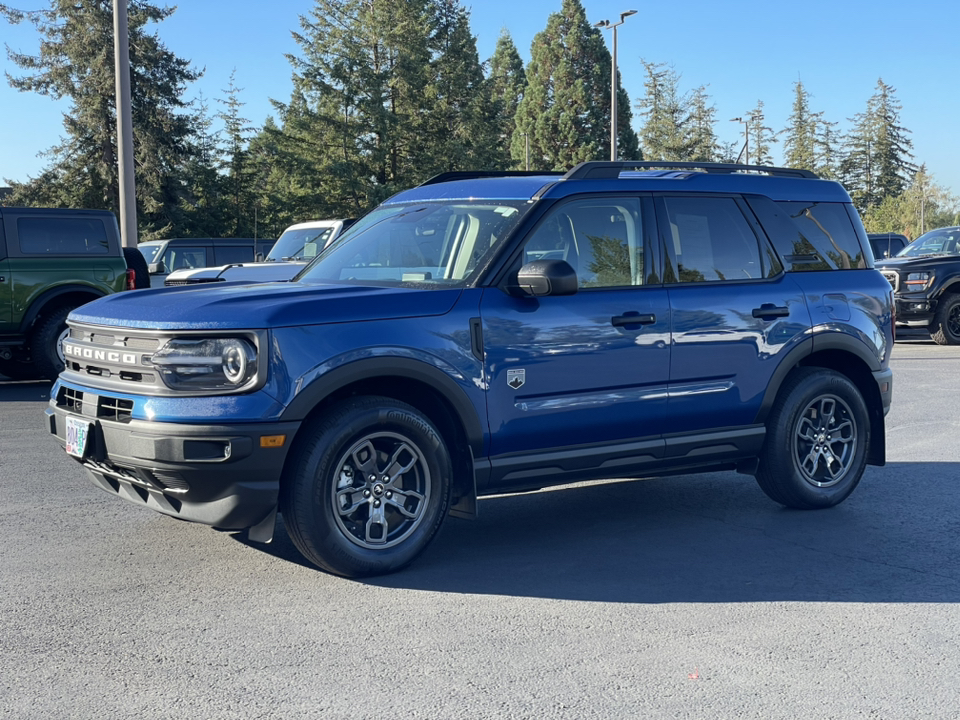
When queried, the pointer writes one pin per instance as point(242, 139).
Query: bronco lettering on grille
point(110, 356)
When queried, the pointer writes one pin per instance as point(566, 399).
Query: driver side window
point(602, 239)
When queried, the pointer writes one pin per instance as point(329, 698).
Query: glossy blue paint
point(717, 340)
point(586, 381)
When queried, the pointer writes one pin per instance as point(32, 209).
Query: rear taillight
point(131, 279)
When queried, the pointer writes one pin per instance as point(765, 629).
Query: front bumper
point(914, 311)
point(884, 380)
point(217, 475)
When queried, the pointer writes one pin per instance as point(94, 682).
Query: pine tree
point(203, 192)
point(237, 172)
point(800, 141)
point(508, 82)
point(761, 137)
point(703, 140)
point(877, 161)
point(76, 62)
point(565, 112)
point(461, 114)
point(666, 132)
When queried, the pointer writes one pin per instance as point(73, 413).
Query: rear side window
point(227, 255)
point(709, 240)
point(62, 236)
point(812, 235)
point(185, 258)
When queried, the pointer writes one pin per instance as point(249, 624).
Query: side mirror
point(547, 277)
point(260, 257)
point(156, 268)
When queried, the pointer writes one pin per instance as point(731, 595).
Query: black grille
point(117, 409)
point(70, 399)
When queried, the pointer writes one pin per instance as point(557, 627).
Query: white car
point(296, 247)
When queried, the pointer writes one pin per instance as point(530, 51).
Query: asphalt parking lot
point(671, 598)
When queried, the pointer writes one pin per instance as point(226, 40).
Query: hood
point(238, 306)
point(900, 263)
point(248, 272)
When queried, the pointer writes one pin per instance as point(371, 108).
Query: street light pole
point(746, 138)
point(607, 25)
point(128, 203)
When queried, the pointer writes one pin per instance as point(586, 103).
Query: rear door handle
point(633, 318)
point(769, 310)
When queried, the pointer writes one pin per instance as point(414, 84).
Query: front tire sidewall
point(942, 334)
point(307, 500)
point(780, 473)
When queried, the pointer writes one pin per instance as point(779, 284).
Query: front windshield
point(437, 243)
point(936, 242)
point(301, 244)
point(150, 251)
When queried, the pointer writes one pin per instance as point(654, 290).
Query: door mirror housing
point(547, 277)
point(156, 268)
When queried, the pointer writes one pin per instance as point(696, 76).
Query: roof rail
point(474, 174)
point(596, 169)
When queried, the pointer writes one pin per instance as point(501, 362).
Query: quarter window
point(708, 240)
point(62, 236)
point(601, 239)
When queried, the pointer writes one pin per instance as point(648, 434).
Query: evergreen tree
point(666, 132)
point(565, 111)
point(703, 140)
point(461, 113)
point(76, 62)
point(237, 171)
point(761, 137)
point(877, 161)
point(203, 194)
point(800, 141)
point(508, 82)
point(826, 161)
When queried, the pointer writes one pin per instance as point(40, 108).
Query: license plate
point(78, 433)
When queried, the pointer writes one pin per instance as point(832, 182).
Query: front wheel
point(367, 487)
point(817, 438)
point(946, 322)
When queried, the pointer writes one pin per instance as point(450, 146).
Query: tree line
point(387, 93)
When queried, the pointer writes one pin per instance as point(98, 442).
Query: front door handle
point(769, 310)
point(633, 318)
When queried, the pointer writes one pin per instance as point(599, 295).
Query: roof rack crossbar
point(597, 169)
point(475, 174)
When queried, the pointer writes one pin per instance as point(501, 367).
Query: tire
point(946, 321)
point(45, 349)
point(137, 263)
point(338, 500)
point(817, 437)
point(18, 370)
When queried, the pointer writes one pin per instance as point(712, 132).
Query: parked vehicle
point(925, 277)
point(51, 262)
point(296, 247)
point(479, 335)
point(166, 256)
point(887, 245)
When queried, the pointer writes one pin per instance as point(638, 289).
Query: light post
point(607, 25)
point(746, 138)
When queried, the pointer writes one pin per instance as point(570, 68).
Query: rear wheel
point(946, 321)
point(46, 343)
point(817, 438)
point(367, 487)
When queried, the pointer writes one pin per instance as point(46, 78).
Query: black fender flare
point(368, 368)
point(810, 345)
point(43, 300)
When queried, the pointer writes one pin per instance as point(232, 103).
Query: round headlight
point(235, 362)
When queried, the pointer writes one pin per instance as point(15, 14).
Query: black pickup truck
point(926, 284)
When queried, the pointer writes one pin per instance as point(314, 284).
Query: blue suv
point(487, 333)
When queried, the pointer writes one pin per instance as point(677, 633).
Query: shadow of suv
point(487, 333)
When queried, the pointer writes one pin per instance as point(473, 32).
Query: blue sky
point(743, 51)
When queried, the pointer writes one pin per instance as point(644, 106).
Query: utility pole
point(607, 25)
point(121, 53)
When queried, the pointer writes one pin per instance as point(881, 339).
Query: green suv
point(52, 261)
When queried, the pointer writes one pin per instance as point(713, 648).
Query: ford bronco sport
point(479, 335)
